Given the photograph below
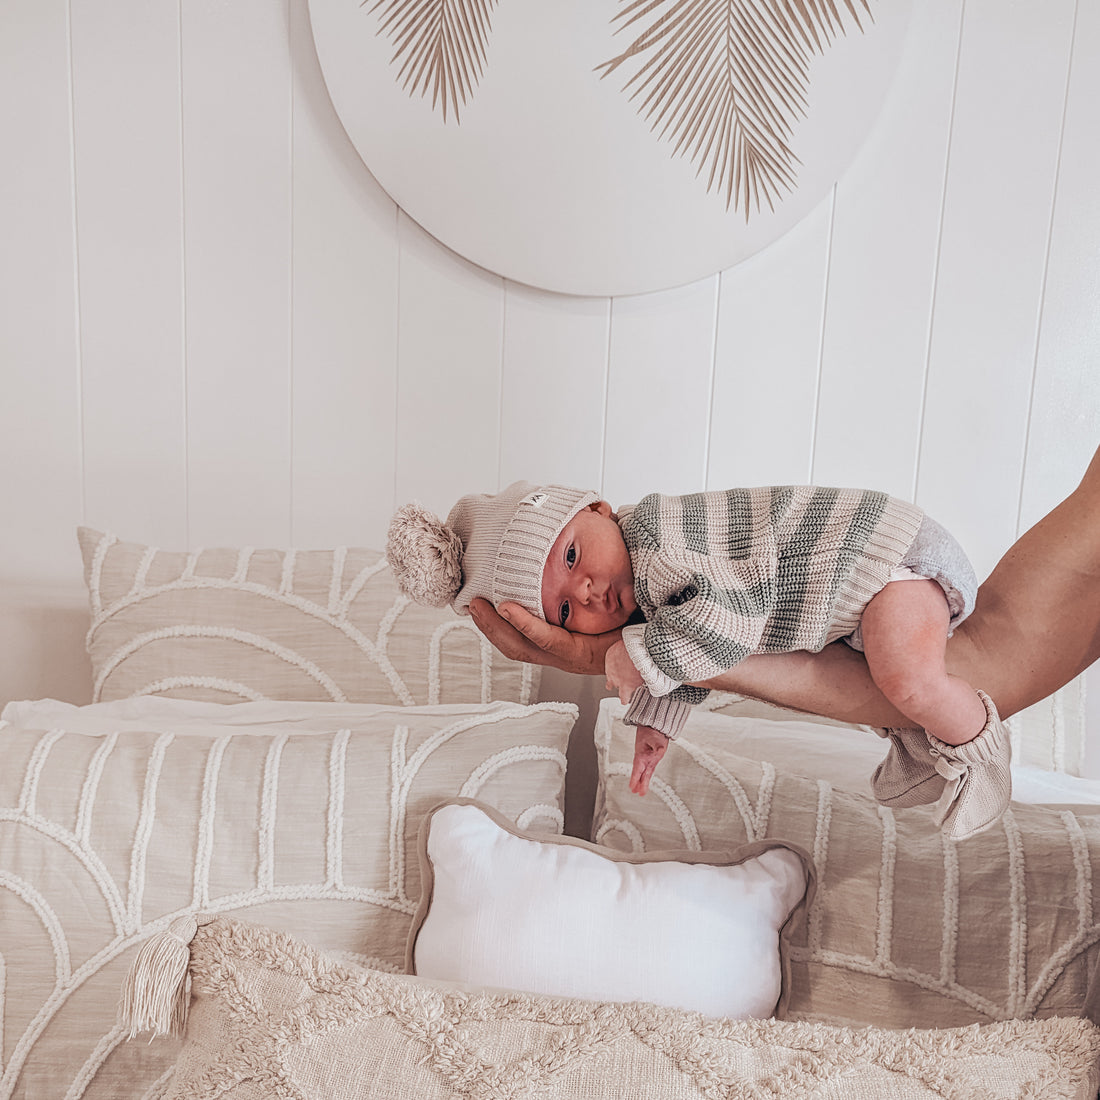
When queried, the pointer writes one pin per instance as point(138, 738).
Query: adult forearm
point(834, 683)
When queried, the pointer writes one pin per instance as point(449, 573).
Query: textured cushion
point(845, 755)
point(502, 907)
point(104, 839)
point(906, 928)
point(1046, 734)
point(232, 624)
point(270, 1017)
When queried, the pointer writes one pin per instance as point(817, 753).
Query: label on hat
point(536, 500)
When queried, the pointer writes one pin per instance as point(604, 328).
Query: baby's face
point(588, 584)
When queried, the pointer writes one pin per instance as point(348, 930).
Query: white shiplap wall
point(217, 328)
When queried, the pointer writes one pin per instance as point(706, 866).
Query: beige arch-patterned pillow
point(232, 624)
point(908, 928)
point(106, 839)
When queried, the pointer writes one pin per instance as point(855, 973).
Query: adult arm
point(1035, 626)
point(834, 682)
point(835, 679)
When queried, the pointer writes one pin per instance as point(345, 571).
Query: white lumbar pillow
point(561, 917)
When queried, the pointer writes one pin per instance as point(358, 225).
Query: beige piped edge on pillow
point(716, 858)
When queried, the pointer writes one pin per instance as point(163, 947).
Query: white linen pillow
point(193, 716)
point(107, 836)
point(232, 623)
point(1045, 739)
point(845, 756)
point(503, 908)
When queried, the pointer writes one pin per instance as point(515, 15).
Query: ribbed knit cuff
point(992, 744)
point(665, 715)
point(655, 680)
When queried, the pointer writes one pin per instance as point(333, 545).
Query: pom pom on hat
point(425, 556)
point(493, 546)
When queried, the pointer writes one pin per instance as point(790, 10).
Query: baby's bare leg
point(904, 631)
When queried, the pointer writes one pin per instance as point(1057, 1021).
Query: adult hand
point(524, 637)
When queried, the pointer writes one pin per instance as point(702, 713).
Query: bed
point(304, 788)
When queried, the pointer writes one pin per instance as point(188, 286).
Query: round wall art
point(608, 147)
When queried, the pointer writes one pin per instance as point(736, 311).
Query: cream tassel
point(155, 994)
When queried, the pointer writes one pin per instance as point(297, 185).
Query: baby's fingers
point(641, 774)
point(649, 749)
point(625, 693)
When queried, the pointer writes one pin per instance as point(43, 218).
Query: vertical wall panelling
point(236, 171)
point(129, 241)
point(43, 609)
point(555, 386)
point(1064, 428)
point(216, 327)
point(659, 391)
point(882, 270)
point(1065, 418)
point(40, 489)
point(1010, 97)
point(448, 387)
point(344, 322)
point(768, 348)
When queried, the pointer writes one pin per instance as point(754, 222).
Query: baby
point(699, 582)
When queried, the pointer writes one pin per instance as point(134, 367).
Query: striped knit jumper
point(722, 575)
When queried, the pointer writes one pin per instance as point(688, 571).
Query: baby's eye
point(563, 614)
point(571, 556)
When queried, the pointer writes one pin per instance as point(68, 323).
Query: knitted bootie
point(979, 779)
point(907, 775)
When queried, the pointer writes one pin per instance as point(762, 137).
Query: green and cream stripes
point(721, 575)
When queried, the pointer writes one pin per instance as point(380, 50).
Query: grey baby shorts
point(936, 554)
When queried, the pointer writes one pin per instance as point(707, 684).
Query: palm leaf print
point(439, 44)
point(725, 80)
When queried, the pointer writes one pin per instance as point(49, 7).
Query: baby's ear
point(602, 507)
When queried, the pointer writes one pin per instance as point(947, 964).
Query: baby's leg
point(905, 640)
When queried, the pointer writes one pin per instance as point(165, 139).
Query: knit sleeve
point(706, 575)
point(667, 715)
point(703, 627)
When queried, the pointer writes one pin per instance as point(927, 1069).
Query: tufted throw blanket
point(272, 1017)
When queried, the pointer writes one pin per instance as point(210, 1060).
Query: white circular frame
point(546, 172)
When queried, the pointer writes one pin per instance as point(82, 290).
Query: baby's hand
point(622, 676)
point(649, 747)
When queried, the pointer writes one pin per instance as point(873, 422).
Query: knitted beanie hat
point(494, 546)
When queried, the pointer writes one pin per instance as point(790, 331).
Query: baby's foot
point(907, 775)
point(978, 775)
